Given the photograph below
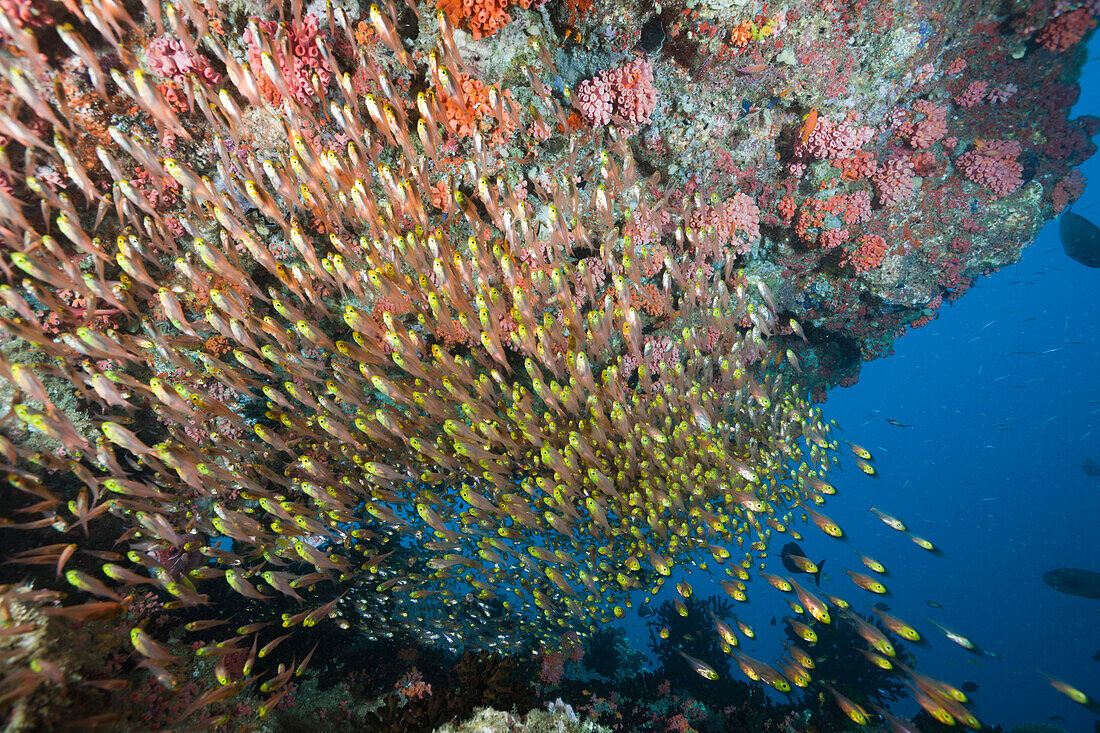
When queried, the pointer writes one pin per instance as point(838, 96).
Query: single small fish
point(867, 583)
point(794, 560)
point(809, 124)
point(701, 668)
point(799, 655)
point(801, 630)
point(824, 523)
point(873, 564)
point(890, 521)
point(859, 451)
point(866, 467)
point(1071, 692)
point(857, 714)
point(955, 637)
point(925, 544)
point(898, 626)
point(150, 649)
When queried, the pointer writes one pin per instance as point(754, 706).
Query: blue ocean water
point(1003, 394)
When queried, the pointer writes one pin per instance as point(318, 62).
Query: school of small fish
point(339, 460)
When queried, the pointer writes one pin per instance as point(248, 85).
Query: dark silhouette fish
point(1080, 239)
point(1074, 581)
point(1090, 467)
point(791, 551)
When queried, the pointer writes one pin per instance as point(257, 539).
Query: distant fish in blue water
point(1071, 692)
point(1080, 239)
point(1090, 467)
point(1074, 581)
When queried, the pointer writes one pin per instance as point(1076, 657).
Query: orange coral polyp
point(482, 17)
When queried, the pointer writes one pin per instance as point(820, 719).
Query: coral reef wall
point(459, 325)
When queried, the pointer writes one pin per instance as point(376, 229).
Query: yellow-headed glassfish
point(857, 714)
point(868, 583)
point(700, 667)
point(890, 521)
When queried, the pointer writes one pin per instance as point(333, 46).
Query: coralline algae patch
point(954, 117)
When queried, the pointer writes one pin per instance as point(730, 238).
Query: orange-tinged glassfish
point(795, 561)
point(857, 714)
point(817, 608)
point(938, 689)
point(873, 564)
point(88, 584)
point(859, 451)
point(778, 583)
point(899, 627)
point(797, 328)
point(799, 655)
point(757, 670)
point(801, 630)
point(877, 659)
point(96, 610)
point(925, 544)
point(868, 583)
point(866, 467)
point(723, 629)
point(1071, 692)
point(871, 635)
point(932, 706)
point(796, 673)
point(745, 628)
point(891, 522)
point(150, 649)
point(122, 437)
point(700, 667)
point(823, 523)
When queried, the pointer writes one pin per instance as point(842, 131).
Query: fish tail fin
point(817, 575)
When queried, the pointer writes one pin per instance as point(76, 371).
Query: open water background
point(1003, 391)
